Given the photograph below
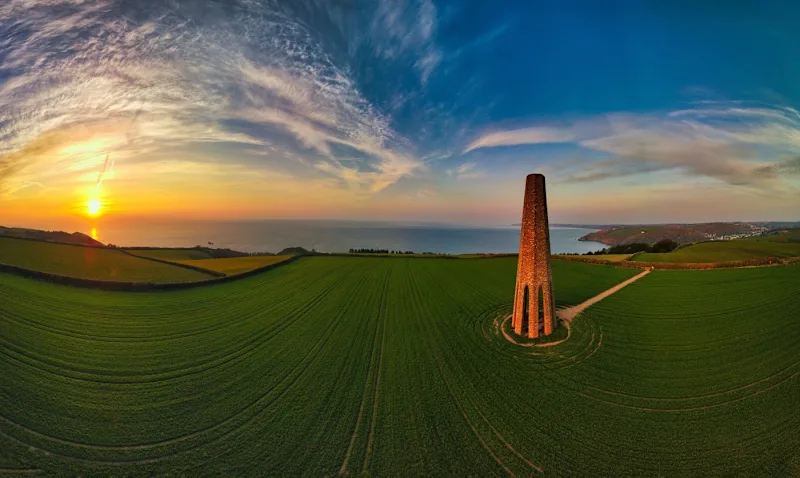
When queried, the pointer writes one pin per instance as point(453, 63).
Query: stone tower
point(534, 284)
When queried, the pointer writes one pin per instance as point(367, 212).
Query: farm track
point(384, 310)
point(365, 366)
point(415, 294)
point(472, 427)
point(377, 348)
point(569, 313)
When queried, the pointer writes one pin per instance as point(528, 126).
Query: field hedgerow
point(235, 265)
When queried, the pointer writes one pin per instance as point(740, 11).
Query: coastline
point(334, 236)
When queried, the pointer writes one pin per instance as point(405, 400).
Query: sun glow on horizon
point(93, 207)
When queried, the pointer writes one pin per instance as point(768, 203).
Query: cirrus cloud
point(178, 76)
point(739, 146)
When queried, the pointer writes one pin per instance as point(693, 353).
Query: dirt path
point(570, 313)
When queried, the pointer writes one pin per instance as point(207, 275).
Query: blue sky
point(419, 110)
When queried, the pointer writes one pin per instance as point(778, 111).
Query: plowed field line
point(689, 409)
point(303, 365)
point(472, 426)
point(502, 438)
point(700, 397)
point(198, 367)
point(361, 408)
point(371, 435)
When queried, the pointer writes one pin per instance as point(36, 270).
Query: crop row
point(394, 366)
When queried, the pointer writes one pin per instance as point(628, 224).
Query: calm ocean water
point(336, 236)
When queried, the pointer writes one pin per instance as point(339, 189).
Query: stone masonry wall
point(533, 267)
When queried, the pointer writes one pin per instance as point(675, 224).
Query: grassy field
point(171, 254)
point(90, 262)
point(396, 367)
point(235, 265)
point(601, 257)
point(791, 236)
point(725, 251)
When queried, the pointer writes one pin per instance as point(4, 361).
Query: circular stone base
point(559, 335)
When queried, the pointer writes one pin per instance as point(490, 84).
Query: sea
point(334, 236)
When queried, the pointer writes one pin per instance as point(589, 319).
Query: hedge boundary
point(383, 256)
point(762, 262)
point(151, 286)
point(601, 262)
point(177, 264)
point(135, 286)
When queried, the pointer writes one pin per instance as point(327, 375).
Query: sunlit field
point(96, 263)
point(171, 254)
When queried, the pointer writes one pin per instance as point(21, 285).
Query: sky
point(418, 110)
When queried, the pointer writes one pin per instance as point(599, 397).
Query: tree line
point(384, 251)
point(664, 245)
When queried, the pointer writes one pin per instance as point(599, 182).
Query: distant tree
point(664, 245)
point(369, 251)
point(293, 250)
point(629, 248)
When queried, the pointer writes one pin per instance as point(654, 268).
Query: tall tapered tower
point(534, 308)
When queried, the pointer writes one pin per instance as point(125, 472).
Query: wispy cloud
point(407, 28)
point(532, 135)
point(467, 170)
point(735, 145)
point(187, 81)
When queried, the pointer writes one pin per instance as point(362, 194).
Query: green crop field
point(171, 254)
point(90, 262)
point(235, 265)
point(392, 366)
point(724, 251)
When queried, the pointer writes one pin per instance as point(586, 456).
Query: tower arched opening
point(525, 310)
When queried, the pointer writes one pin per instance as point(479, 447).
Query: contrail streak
point(101, 176)
point(102, 173)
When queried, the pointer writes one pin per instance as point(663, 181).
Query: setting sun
point(400, 237)
point(94, 207)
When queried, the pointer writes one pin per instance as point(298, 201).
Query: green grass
point(171, 254)
point(394, 367)
point(724, 251)
point(90, 262)
point(235, 265)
